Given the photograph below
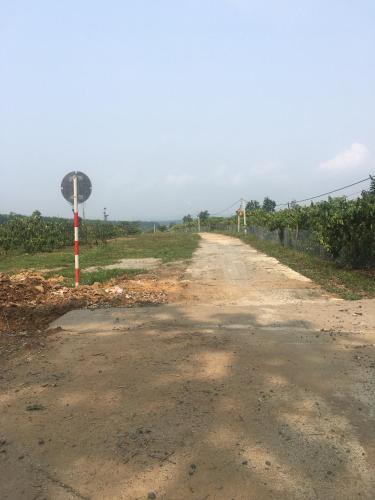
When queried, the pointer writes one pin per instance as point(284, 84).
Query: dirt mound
point(29, 301)
point(25, 288)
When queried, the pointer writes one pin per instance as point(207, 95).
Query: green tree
point(187, 218)
point(372, 186)
point(252, 205)
point(268, 204)
point(204, 215)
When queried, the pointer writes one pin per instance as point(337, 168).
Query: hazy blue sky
point(175, 106)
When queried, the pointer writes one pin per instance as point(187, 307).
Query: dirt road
point(254, 384)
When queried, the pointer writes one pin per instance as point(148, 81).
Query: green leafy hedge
point(39, 234)
point(345, 228)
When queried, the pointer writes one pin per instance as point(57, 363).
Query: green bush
point(345, 228)
point(40, 234)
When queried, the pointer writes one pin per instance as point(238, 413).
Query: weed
point(168, 247)
point(350, 284)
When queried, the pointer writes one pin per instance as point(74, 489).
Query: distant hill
point(143, 225)
point(148, 225)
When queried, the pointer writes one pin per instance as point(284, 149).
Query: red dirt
point(29, 302)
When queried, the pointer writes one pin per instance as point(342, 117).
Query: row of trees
point(268, 205)
point(344, 228)
point(204, 216)
point(44, 234)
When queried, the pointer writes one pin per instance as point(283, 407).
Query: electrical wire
point(228, 208)
point(196, 213)
point(326, 194)
point(297, 201)
point(352, 195)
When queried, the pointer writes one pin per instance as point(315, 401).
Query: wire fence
point(302, 240)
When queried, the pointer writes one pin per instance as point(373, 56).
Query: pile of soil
point(26, 287)
point(29, 301)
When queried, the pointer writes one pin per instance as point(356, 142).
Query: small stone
point(34, 407)
point(151, 495)
point(244, 462)
point(268, 463)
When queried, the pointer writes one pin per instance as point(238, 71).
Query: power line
point(196, 213)
point(297, 201)
point(326, 194)
point(228, 208)
point(352, 195)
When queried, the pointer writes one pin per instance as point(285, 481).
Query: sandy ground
point(148, 263)
point(253, 384)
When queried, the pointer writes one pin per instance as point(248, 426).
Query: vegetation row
point(344, 228)
point(44, 234)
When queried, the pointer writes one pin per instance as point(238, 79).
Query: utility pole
point(105, 215)
point(243, 207)
point(154, 228)
point(238, 220)
point(199, 224)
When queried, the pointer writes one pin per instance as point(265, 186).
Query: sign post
point(76, 188)
point(76, 230)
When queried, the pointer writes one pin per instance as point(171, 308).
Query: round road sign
point(84, 187)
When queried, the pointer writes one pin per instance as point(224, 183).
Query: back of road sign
point(84, 187)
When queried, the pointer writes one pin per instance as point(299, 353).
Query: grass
point(99, 276)
point(168, 247)
point(350, 284)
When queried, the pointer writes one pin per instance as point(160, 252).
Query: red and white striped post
point(76, 230)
